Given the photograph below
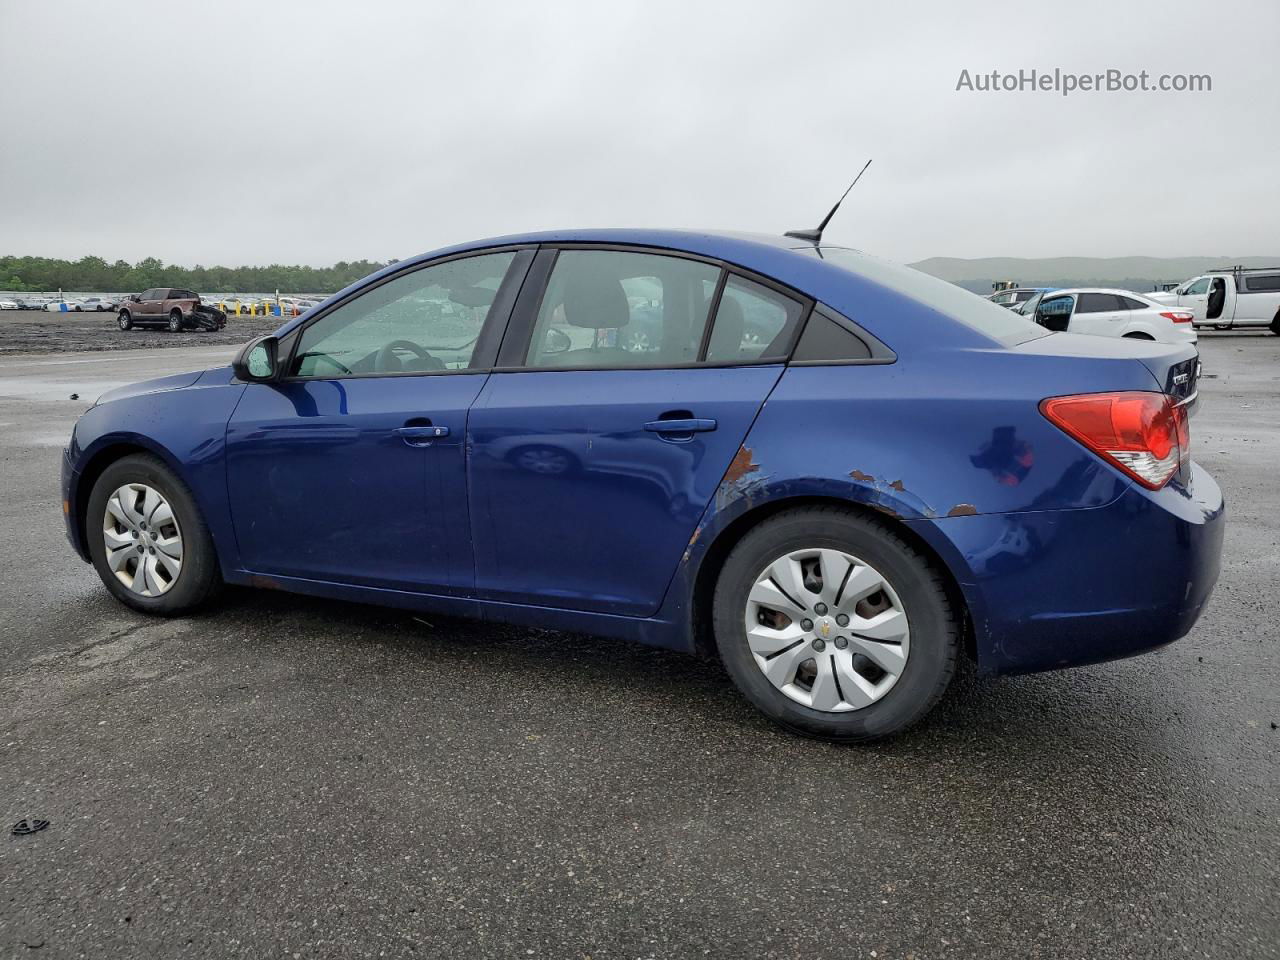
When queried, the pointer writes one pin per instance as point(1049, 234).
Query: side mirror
point(257, 361)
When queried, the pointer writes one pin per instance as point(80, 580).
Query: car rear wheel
point(175, 321)
point(834, 626)
point(125, 320)
point(147, 539)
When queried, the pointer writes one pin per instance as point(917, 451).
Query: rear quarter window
point(973, 311)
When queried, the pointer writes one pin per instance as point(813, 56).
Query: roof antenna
point(815, 236)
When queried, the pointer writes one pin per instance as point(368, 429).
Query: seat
point(595, 301)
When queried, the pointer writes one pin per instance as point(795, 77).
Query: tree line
point(94, 274)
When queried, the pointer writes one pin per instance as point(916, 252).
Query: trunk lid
point(1174, 366)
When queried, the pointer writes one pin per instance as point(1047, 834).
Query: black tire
point(1275, 325)
point(934, 622)
point(199, 578)
point(125, 320)
point(175, 321)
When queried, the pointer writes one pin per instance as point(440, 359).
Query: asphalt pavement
point(288, 777)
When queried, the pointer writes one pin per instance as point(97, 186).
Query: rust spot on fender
point(742, 464)
point(862, 477)
point(897, 485)
point(963, 510)
point(693, 541)
point(264, 583)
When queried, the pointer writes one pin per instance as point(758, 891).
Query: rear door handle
point(420, 436)
point(690, 425)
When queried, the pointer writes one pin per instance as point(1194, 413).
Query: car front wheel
point(147, 539)
point(834, 626)
point(124, 320)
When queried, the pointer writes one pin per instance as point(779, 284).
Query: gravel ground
point(36, 331)
point(283, 776)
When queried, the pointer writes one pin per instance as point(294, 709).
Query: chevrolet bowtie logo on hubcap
point(824, 628)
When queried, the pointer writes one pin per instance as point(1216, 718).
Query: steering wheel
point(387, 356)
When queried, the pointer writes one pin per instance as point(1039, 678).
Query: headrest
point(595, 301)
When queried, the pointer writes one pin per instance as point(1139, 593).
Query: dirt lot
point(35, 331)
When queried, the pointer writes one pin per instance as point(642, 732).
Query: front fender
point(184, 427)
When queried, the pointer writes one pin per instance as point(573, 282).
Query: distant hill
point(1129, 273)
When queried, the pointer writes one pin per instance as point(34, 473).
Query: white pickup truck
point(1227, 299)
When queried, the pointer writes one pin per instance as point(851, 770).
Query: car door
point(1194, 297)
point(1100, 314)
point(1054, 312)
point(595, 453)
point(351, 468)
point(144, 309)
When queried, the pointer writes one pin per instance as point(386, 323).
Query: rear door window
point(608, 309)
point(1098, 303)
point(753, 323)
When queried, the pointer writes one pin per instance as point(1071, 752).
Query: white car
point(97, 304)
point(1226, 299)
point(1110, 313)
point(8, 305)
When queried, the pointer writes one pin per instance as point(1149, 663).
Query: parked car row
point(1225, 299)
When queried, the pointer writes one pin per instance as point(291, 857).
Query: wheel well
point(709, 571)
point(89, 476)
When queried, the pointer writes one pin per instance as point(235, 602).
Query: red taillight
point(1177, 316)
point(1144, 434)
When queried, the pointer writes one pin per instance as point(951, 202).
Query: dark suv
point(170, 307)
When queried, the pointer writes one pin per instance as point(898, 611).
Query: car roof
point(787, 260)
point(1116, 290)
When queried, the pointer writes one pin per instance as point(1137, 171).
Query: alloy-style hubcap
point(827, 630)
point(144, 544)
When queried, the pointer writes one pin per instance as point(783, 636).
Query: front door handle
point(689, 425)
point(419, 435)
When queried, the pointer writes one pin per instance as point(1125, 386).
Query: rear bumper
point(1064, 588)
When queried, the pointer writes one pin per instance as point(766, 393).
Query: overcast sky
point(255, 132)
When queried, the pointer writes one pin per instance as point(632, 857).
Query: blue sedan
point(839, 474)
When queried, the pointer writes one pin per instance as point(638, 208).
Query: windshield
point(974, 311)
